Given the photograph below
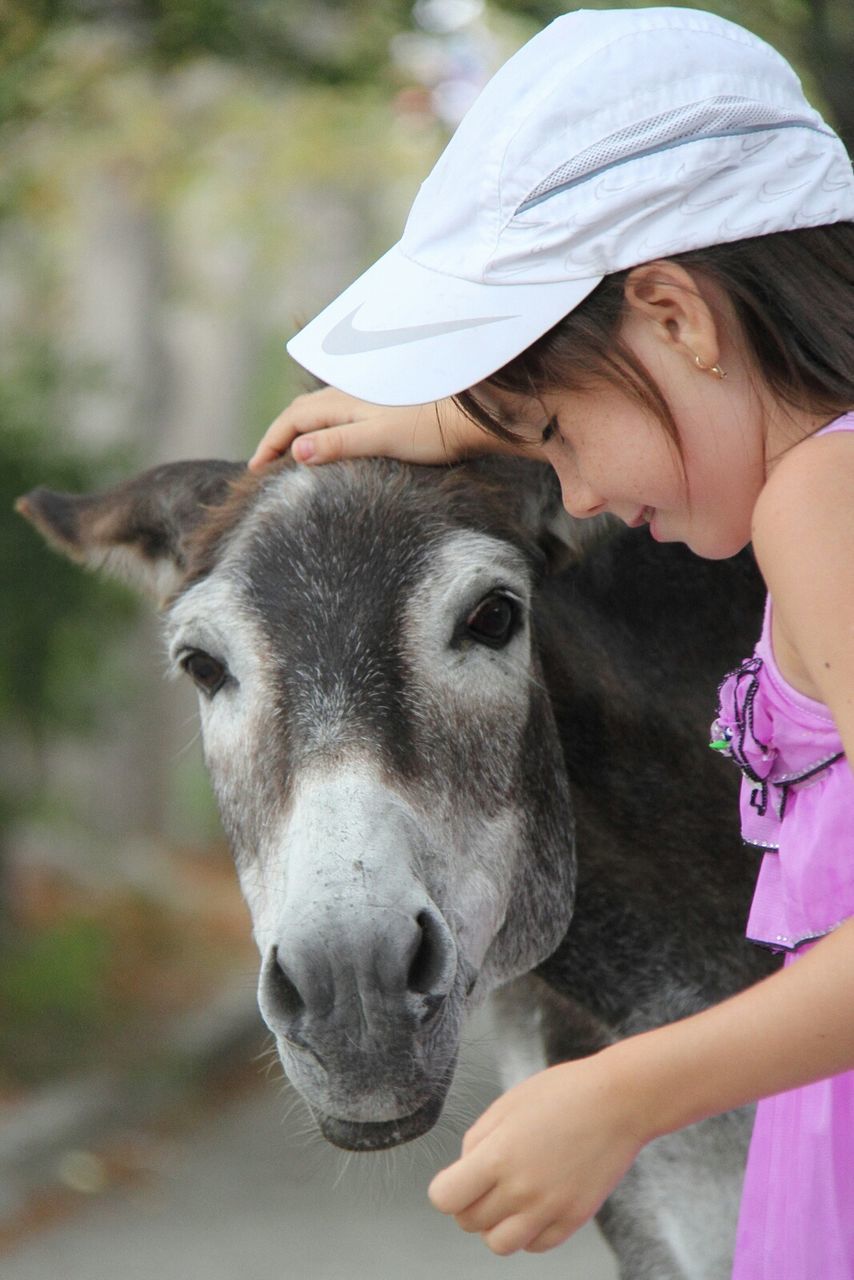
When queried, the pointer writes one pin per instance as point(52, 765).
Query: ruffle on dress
point(776, 744)
point(797, 801)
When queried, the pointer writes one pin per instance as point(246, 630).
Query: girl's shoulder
point(808, 489)
point(803, 538)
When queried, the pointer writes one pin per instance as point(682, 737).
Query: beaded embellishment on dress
point(734, 734)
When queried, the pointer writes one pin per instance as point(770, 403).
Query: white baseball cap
point(612, 138)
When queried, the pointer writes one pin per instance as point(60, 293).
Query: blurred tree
point(52, 638)
point(333, 42)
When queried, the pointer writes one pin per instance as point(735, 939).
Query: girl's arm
point(541, 1160)
point(327, 425)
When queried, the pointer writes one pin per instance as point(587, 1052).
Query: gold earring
point(709, 368)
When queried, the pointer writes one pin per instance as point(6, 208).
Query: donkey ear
point(139, 530)
point(535, 490)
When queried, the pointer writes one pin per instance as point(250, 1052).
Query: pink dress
point(797, 803)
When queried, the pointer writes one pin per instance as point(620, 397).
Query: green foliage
point(52, 993)
point(58, 973)
point(333, 42)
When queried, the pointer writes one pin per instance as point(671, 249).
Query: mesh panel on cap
point(713, 118)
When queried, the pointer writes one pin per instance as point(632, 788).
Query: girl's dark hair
point(793, 298)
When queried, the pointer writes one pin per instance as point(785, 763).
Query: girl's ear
point(670, 297)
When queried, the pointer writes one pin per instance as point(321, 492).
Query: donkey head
point(381, 744)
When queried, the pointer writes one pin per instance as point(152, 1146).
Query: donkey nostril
point(288, 999)
point(427, 967)
point(432, 1005)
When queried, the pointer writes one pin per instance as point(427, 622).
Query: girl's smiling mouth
point(644, 516)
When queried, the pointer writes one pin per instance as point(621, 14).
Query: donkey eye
point(494, 620)
point(208, 673)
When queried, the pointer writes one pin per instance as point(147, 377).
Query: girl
point(636, 259)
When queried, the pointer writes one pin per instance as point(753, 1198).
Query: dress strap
point(845, 423)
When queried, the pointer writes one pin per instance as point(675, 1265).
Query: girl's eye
point(208, 673)
point(494, 620)
point(550, 430)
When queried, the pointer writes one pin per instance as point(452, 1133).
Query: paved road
point(250, 1195)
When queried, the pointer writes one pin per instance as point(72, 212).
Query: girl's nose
point(579, 499)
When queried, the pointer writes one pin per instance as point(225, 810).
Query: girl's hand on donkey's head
point(327, 425)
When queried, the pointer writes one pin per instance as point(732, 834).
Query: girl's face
point(611, 455)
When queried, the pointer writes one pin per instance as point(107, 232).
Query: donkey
point(457, 742)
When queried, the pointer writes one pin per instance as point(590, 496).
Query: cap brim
point(403, 334)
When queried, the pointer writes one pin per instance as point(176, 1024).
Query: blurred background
point(182, 185)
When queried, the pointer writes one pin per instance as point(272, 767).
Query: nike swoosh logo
point(768, 193)
point(345, 340)
point(692, 206)
point(751, 146)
